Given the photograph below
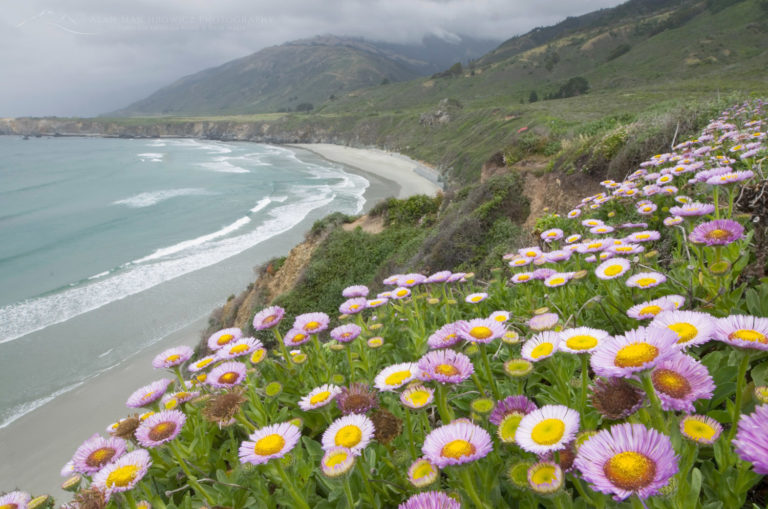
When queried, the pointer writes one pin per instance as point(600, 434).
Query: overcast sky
point(85, 57)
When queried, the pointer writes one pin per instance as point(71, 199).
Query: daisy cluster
point(610, 362)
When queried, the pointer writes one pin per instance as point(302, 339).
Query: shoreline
point(63, 423)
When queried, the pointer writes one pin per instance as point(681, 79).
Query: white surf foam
point(152, 157)
point(261, 204)
point(19, 411)
point(153, 197)
point(222, 165)
point(22, 318)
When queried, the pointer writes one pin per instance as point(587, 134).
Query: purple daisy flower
point(355, 291)
point(346, 333)
point(430, 500)
point(227, 374)
point(96, 452)
point(558, 279)
point(543, 321)
point(446, 336)
point(273, 441)
point(268, 317)
point(296, 337)
point(692, 327)
point(353, 306)
point(446, 366)
point(637, 350)
point(627, 459)
point(148, 394)
point(692, 209)
point(223, 337)
point(422, 473)
point(392, 280)
point(411, 280)
point(581, 339)
point(613, 268)
point(353, 431)
point(541, 346)
point(312, 323)
point(19, 500)
point(377, 302)
point(160, 428)
point(395, 376)
point(172, 357)
point(649, 309)
point(401, 292)
point(625, 249)
point(549, 428)
point(743, 331)
point(481, 330)
point(717, 233)
point(646, 280)
point(511, 404)
point(439, 277)
point(672, 220)
point(543, 274)
point(337, 461)
point(552, 235)
point(522, 277)
point(558, 256)
point(456, 443)
point(643, 236)
point(242, 346)
point(680, 380)
point(700, 428)
point(730, 178)
point(123, 474)
point(751, 442)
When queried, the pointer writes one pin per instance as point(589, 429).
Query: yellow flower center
point(336, 458)
point(542, 350)
point(354, 306)
point(98, 457)
point(612, 270)
point(698, 430)
point(523, 277)
point(298, 338)
point(224, 339)
point(457, 449)
point(311, 325)
point(557, 281)
point(642, 236)
point(203, 363)
point(348, 436)
point(319, 397)
point(622, 249)
point(671, 383)
point(650, 310)
point(228, 378)
point(718, 234)
point(644, 282)
point(173, 358)
point(548, 432)
point(423, 470)
point(449, 338)
point(635, 355)
point(545, 474)
point(418, 398)
point(397, 377)
point(402, 293)
point(595, 245)
point(258, 356)
point(410, 281)
point(685, 331)
point(162, 431)
point(748, 335)
point(581, 342)
point(236, 350)
point(447, 369)
point(508, 427)
point(270, 444)
point(122, 476)
point(269, 319)
point(481, 332)
point(630, 470)
point(531, 254)
point(476, 298)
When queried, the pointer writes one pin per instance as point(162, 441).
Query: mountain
point(301, 73)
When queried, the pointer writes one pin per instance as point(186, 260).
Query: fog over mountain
point(87, 56)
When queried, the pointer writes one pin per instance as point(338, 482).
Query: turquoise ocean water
point(108, 245)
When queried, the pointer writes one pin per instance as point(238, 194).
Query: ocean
point(109, 245)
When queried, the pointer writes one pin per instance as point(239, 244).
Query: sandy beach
point(36, 446)
point(412, 177)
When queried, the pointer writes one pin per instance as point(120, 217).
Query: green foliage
point(419, 209)
point(533, 97)
point(305, 107)
point(618, 51)
point(328, 222)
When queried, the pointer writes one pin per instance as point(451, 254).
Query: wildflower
point(456, 443)
point(172, 357)
point(692, 327)
point(430, 500)
point(445, 336)
point(15, 500)
point(319, 397)
point(717, 233)
point(222, 408)
point(355, 291)
point(346, 333)
point(337, 461)
point(672, 220)
point(96, 452)
point(203, 363)
point(273, 441)
point(500, 316)
point(311, 323)
point(268, 317)
point(411, 280)
point(636, 350)
point(508, 414)
point(541, 346)
point(625, 249)
point(581, 339)
point(446, 366)
point(646, 280)
point(422, 473)
point(400, 292)
point(417, 396)
point(124, 473)
point(521, 261)
point(627, 459)
point(615, 398)
point(612, 269)
point(743, 331)
point(545, 477)
point(692, 209)
point(358, 398)
point(552, 235)
point(643, 236)
point(223, 337)
point(239, 348)
point(700, 428)
point(226, 375)
point(730, 178)
point(680, 380)
point(352, 431)
point(522, 277)
point(439, 277)
point(386, 425)
point(353, 306)
point(481, 330)
point(160, 428)
point(518, 367)
point(395, 376)
point(751, 442)
point(543, 321)
point(148, 394)
point(547, 429)
point(558, 279)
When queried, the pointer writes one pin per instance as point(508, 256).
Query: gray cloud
point(92, 56)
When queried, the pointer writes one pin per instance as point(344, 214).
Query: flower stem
point(409, 429)
point(244, 421)
point(348, 348)
point(656, 413)
point(489, 373)
point(283, 349)
point(190, 477)
point(321, 355)
point(741, 377)
point(584, 383)
point(446, 415)
point(128, 498)
point(348, 493)
point(295, 495)
point(366, 482)
point(470, 488)
point(177, 370)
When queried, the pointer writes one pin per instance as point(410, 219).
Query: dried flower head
point(222, 408)
point(358, 398)
point(615, 398)
point(387, 426)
